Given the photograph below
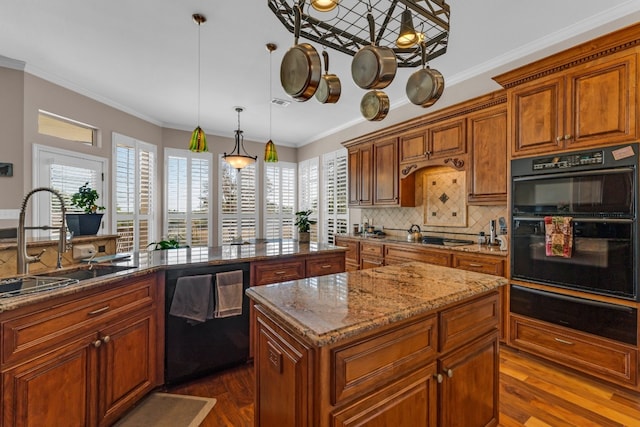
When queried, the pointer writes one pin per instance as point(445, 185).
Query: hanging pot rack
point(346, 29)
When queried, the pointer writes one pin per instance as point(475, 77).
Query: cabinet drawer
point(603, 358)
point(398, 253)
point(353, 250)
point(371, 249)
point(36, 331)
point(274, 271)
point(322, 265)
point(370, 363)
point(481, 264)
point(465, 322)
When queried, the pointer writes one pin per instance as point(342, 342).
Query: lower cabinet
point(437, 369)
point(100, 360)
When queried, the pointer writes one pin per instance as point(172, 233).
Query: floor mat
point(170, 410)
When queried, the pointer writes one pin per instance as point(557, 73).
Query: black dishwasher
point(192, 351)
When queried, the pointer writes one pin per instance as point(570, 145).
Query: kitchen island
point(404, 345)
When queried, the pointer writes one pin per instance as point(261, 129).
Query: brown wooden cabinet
point(437, 140)
point(400, 375)
point(371, 254)
point(84, 359)
point(481, 263)
point(352, 256)
point(386, 178)
point(586, 105)
point(360, 159)
point(396, 254)
point(487, 136)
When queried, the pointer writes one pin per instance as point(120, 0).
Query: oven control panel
point(569, 160)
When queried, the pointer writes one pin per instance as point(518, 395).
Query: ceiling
point(142, 57)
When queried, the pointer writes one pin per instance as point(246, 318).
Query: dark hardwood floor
point(533, 393)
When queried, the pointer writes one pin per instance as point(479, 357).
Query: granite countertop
point(473, 248)
point(329, 308)
point(147, 262)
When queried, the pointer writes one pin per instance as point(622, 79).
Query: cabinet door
point(386, 191)
point(537, 116)
point(469, 387)
point(447, 138)
point(411, 399)
point(366, 175)
point(413, 146)
point(51, 388)
point(601, 102)
point(488, 145)
point(282, 378)
point(354, 176)
point(127, 361)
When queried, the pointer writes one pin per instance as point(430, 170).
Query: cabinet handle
point(97, 343)
point(559, 138)
point(449, 372)
point(280, 273)
point(106, 339)
point(439, 378)
point(98, 311)
point(326, 266)
point(567, 137)
point(560, 340)
point(473, 264)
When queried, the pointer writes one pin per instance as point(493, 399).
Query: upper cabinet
point(374, 178)
point(583, 97)
point(435, 141)
point(487, 140)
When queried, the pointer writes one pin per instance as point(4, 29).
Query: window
point(335, 213)
point(280, 200)
point(308, 187)
point(187, 196)
point(134, 170)
point(64, 128)
point(64, 171)
point(237, 203)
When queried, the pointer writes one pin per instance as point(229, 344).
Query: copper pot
point(329, 87)
point(425, 86)
point(300, 69)
point(373, 67)
point(374, 105)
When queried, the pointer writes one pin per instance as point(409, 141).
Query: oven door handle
point(579, 219)
point(572, 174)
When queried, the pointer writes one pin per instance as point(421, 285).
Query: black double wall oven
point(596, 191)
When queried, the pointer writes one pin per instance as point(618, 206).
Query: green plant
point(303, 222)
point(85, 199)
point(166, 244)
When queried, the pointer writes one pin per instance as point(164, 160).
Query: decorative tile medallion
point(445, 195)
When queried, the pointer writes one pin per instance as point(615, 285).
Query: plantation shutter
point(280, 198)
point(335, 207)
point(308, 188)
point(237, 201)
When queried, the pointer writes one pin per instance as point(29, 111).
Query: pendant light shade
point(198, 138)
point(270, 153)
point(324, 5)
point(236, 158)
point(407, 37)
point(198, 141)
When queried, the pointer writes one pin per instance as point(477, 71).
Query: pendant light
point(236, 158)
point(324, 5)
point(198, 138)
point(270, 153)
point(407, 37)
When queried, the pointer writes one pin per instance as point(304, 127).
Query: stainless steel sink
point(88, 271)
point(55, 279)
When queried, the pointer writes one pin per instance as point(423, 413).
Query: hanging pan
point(374, 105)
point(300, 70)
point(373, 67)
point(329, 87)
point(425, 86)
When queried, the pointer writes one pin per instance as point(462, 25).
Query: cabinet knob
point(449, 372)
point(558, 139)
point(97, 343)
point(439, 378)
point(106, 339)
point(567, 137)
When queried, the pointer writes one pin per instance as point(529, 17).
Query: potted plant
point(171, 243)
point(304, 224)
point(87, 223)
